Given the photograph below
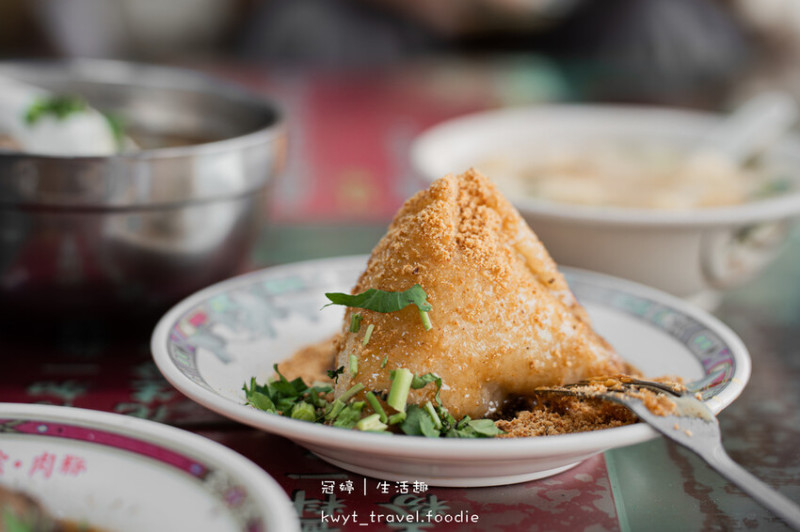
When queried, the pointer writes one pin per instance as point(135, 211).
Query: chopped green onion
point(371, 422)
point(351, 392)
point(368, 334)
point(353, 365)
point(384, 361)
point(355, 322)
point(437, 423)
point(401, 385)
point(376, 406)
point(303, 411)
point(426, 320)
point(338, 405)
point(335, 409)
point(399, 417)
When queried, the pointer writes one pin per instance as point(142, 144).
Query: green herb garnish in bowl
point(297, 400)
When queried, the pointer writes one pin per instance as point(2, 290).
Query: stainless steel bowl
point(132, 233)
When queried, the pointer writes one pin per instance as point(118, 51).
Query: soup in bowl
point(628, 190)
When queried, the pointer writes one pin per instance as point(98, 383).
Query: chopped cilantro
point(384, 301)
point(484, 427)
point(311, 403)
point(260, 400)
point(60, 107)
point(420, 381)
point(350, 415)
point(419, 423)
point(334, 373)
point(282, 396)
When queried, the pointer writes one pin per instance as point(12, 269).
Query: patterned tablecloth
point(347, 173)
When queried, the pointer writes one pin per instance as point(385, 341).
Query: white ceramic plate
point(120, 473)
point(210, 344)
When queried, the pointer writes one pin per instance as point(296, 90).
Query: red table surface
point(119, 376)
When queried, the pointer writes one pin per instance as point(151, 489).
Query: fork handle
point(780, 505)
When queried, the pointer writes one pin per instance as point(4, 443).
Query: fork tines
point(626, 382)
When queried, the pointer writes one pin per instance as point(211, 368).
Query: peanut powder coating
point(504, 320)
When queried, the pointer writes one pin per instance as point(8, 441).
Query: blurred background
point(442, 58)
point(359, 80)
point(689, 51)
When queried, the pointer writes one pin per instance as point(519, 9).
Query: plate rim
point(270, 498)
point(437, 448)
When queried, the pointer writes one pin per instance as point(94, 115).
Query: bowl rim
point(118, 72)
point(428, 145)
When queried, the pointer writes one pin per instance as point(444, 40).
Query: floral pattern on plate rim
point(213, 480)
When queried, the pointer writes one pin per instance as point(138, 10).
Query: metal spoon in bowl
point(753, 127)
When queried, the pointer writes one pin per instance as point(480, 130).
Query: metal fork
point(692, 425)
